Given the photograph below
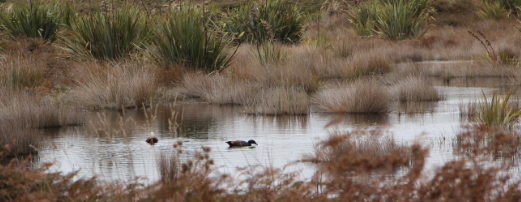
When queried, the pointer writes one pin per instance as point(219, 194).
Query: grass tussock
point(28, 110)
point(359, 146)
point(279, 101)
point(416, 89)
point(18, 141)
point(114, 85)
point(361, 96)
point(217, 89)
point(169, 165)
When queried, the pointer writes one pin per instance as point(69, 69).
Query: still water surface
point(112, 145)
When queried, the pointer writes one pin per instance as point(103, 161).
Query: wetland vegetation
point(62, 59)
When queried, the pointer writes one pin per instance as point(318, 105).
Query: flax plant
point(107, 36)
point(493, 10)
point(362, 18)
point(35, 20)
point(285, 19)
point(186, 38)
point(497, 112)
point(400, 19)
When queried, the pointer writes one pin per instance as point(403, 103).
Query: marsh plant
point(497, 111)
point(283, 100)
point(187, 38)
point(362, 18)
point(267, 20)
point(497, 9)
point(361, 96)
point(107, 35)
point(35, 19)
point(114, 85)
point(358, 146)
point(392, 19)
point(416, 89)
point(493, 10)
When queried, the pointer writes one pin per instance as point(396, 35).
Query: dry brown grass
point(19, 141)
point(416, 89)
point(114, 85)
point(358, 146)
point(218, 89)
point(279, 101)
point(169, 166)
point(361, 96)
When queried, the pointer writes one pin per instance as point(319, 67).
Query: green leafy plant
point(35, 20)
point(186, 38)
point(497, 112)
point(392, 19)
point(269, 53)
point(285, 20)
point(506, 6)
point(107, 36)
point(493, 10)
point(362, 18)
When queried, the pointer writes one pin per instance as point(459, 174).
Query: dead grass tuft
point(352, 150)
point(279, 101)
point(114, 85)
point(416, 89)
point(361, 96)
point(217, 89)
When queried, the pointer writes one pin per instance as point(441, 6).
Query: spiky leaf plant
point(493, 10)
point(392, 19)
point(497, 112)
point(186, 38)
point(277, 20)
point(107, 36)
point(35, 20)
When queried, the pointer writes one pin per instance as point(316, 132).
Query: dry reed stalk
point(114, 85)
point(18, 141)
point(279, 101)
point(361, 96)
point(169, 167)
point(357, 146)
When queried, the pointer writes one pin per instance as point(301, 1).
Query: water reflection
point(112, 144)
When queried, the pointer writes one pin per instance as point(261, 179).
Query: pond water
point(112, 144)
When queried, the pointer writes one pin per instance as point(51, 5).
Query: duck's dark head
point(250, 142)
